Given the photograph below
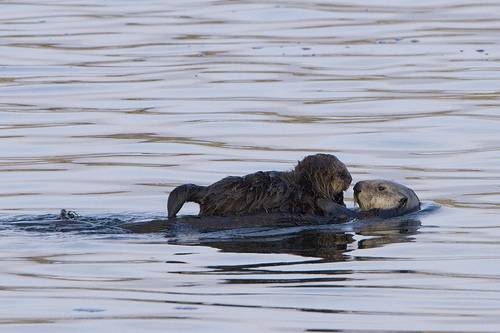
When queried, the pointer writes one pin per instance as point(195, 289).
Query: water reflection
point(276, 233)
point(329, 245)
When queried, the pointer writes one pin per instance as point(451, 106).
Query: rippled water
point(106, 106)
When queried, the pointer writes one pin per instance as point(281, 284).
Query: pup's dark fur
point(320, 176)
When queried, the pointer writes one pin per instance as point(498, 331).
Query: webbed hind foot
point(68, 215)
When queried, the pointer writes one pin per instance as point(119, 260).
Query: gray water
point(105, 106)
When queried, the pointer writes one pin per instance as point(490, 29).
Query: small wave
point(81, 224)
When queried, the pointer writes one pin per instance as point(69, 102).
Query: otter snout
point(361, 198)
point(357, 188)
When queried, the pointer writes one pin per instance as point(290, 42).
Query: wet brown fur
point(320, 176)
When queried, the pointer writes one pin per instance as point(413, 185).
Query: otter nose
point(357, 188)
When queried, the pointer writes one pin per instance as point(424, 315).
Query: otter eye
point(402, 202)
point(381, 188)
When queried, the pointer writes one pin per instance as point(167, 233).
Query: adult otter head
point(385, 195)
point(324, 175)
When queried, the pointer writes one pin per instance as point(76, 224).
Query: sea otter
point(375, 198)
point(320, 176)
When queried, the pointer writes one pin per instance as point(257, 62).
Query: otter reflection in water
point(259, 234)
point(305, 238)
point(330, 245)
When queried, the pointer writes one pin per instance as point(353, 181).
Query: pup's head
point(325, 175)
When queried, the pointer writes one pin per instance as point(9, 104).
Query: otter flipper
point(181, 195)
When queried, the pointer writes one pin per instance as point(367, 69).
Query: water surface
point(106, 106)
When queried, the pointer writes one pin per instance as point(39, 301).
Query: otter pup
point(376, 198)
point(320, 176)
